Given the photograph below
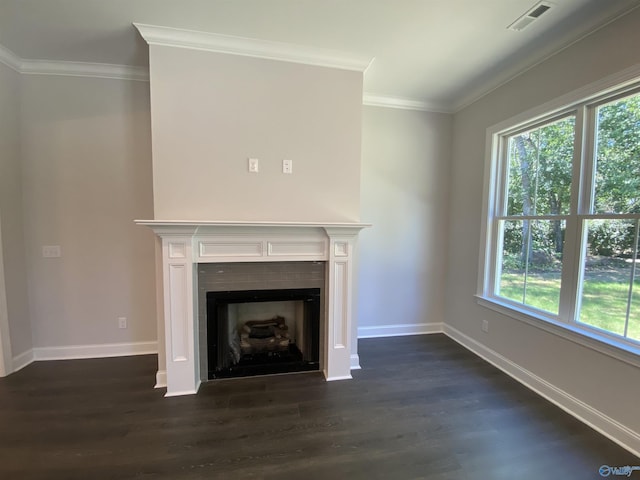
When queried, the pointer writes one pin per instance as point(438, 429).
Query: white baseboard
point(355, 361)
point(607, 426)
point(181, 393)
point(22, 360)
point(161, 379)
point(399, 330)
point(95, 351)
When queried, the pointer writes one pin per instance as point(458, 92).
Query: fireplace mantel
point(241, 223)
point(186, 243)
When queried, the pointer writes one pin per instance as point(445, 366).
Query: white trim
point(95, 351)
point(161, 379)
point(607, 426)
point(22, 360)
point(373, 100)
point(399, 330)
point(251, 47)
point(192, 227)
point(355, 361)
point(84, 69)
point(339, 377)
point(10, 59)
point(72, 69)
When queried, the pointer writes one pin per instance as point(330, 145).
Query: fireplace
point(188, 247)
point(261, 332)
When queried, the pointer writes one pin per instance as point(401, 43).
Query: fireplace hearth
point(262, 332)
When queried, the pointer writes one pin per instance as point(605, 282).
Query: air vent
point(531, 16)
point(539, 10)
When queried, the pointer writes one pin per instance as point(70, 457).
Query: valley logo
point(626, 471)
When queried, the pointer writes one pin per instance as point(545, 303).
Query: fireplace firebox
point(261, 332)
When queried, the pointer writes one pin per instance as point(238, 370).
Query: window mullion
point(585, 203)
point(588, 162)
point(571, 257)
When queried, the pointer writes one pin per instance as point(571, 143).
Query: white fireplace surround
point(185, 244)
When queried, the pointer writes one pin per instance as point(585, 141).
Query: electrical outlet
point(122, 322)
point(485, 326)
point(287, 166)
point(254, 165)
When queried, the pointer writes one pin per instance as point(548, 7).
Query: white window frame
point(582, 103)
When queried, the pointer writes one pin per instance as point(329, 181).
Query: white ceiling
point(440, 53)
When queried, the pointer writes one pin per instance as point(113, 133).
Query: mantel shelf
point(241, 223)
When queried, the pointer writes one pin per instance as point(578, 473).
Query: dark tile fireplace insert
point(261, 332)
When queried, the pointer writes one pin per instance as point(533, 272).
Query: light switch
point(287, 166)
point(253, 165)
point(51, 251)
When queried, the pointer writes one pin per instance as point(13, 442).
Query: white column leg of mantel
point(340, 285)
point(182, 370)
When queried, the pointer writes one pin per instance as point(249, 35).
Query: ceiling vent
point(530, 16)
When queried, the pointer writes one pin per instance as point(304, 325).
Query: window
point(563, 218)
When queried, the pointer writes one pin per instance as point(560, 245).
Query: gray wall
point(86, 170)
point(606, 384)
point(212, 111)
point(405, 178)
point(87, 173)
point(11, 213)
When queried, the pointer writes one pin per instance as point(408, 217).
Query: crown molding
point(251, 47)
point(84, 69)
point(72, 69)
point(10, 59)
point(373, 100)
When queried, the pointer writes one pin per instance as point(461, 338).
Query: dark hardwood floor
point(422, 407)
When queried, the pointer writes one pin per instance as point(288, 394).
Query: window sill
point(584, 337)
